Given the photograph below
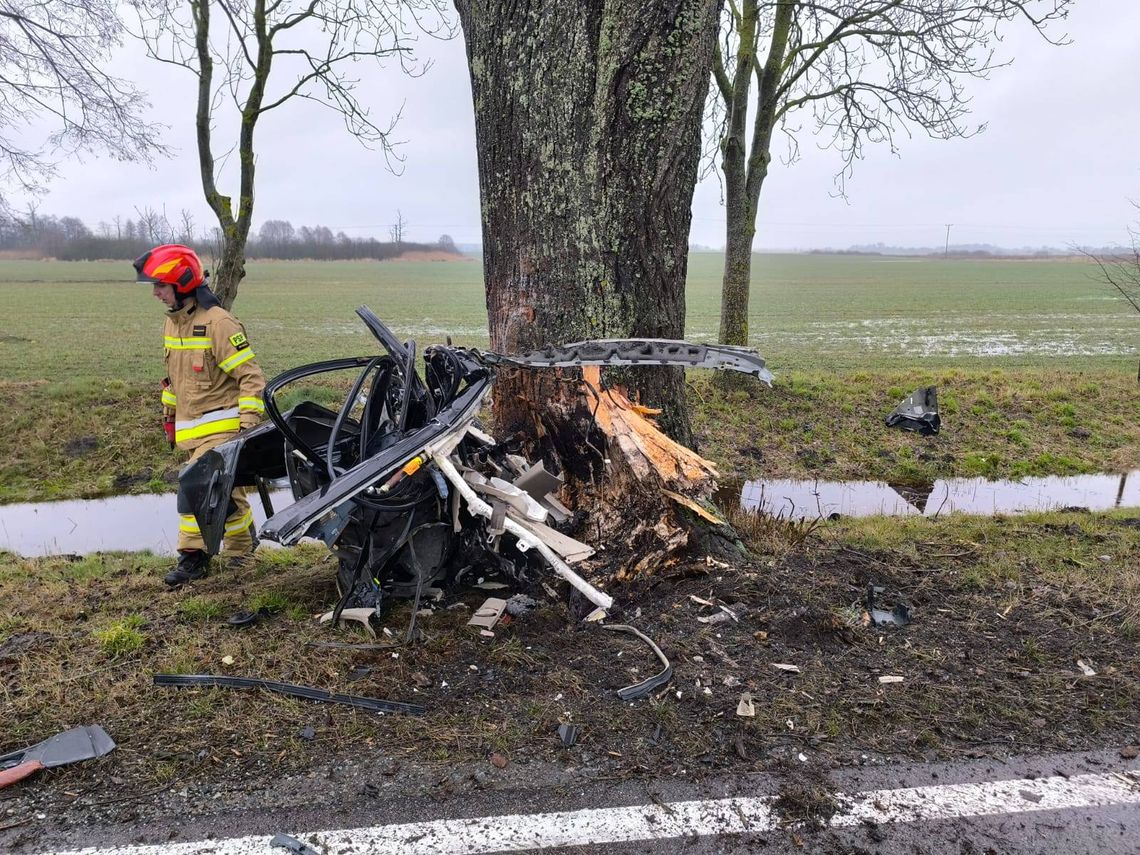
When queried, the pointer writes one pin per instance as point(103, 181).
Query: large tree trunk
point(228, 272)
point(588, 124)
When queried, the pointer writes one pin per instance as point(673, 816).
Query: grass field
point(1034, 359)
point(61, 320)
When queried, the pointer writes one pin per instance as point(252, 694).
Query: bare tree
point(257, 55)
point(397, 230)
point(861, 71)
point(153, 226)
point(51, 60)
point(1121, 272)
point(185, 227)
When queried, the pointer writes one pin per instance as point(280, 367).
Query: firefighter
point(213, 389)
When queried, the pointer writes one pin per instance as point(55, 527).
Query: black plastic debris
point(305, 692)
point(918, 412)
point(898, 616)
point(569, 733)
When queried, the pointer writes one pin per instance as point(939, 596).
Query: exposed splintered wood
point(644, 495)
point(651, 456)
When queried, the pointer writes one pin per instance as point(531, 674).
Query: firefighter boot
point(192, 565)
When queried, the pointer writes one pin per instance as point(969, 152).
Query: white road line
point(515, 832)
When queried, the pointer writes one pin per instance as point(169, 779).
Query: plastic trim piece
point(645, 687)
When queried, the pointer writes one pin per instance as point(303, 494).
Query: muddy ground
point(1002, 610)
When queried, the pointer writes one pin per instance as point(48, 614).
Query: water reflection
point(811, 499)
point(120, 524)
point(136, 523)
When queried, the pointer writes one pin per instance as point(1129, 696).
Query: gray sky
point(1058, 163)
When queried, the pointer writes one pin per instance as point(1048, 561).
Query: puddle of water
point(138, 523)
point(120, 524)
point(812, 499)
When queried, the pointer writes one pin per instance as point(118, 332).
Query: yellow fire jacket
point(216, 385)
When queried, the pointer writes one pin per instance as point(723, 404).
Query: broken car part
point(645, 687)
point(488, 614)
point(569, 733)
point(918, 412)
point(71, 746)
point(898, 616)
point(401, 483)
point(305, 692)
point(285, 841)
point(647, 351)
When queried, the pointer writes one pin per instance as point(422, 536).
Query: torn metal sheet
point(647, 351)
point(918, 412)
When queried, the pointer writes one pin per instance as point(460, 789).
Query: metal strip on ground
point(515, 832)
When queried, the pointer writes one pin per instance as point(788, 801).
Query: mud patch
point(125, 480)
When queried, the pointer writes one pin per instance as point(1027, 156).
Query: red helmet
point(171, 264)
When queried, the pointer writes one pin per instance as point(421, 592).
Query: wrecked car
point(402, 483)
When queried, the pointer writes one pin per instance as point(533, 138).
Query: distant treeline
point(983, 250)
point(70, 239)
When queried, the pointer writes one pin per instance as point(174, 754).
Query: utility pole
point(946, 251)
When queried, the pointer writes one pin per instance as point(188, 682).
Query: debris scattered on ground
point(918, 412)
point(898, 616)
point(498, 760)
point(227, 660)
point(569, 733)
point(520, 604)
point(719, 617)
point(652, 684)
point(285, 841)
point(242, 618)
point(362, 616)
point(70, 746)
point(492, 586)
point(488, 614)
point(784, 666)
point(890, 679)
point(744, 707)
point(308, 733)
point(1085, 669)
point(1130, 752)
point(305, 692)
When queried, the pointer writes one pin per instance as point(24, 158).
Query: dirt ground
point(1002, 610)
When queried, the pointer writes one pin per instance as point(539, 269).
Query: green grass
point(1035, 363)
point(80, 320)
point(123, 636)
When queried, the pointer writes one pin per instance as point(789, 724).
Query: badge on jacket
point(239, 341)
point(200, 330)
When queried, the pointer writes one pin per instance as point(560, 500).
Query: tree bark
point(588, 125)
point(746, 166)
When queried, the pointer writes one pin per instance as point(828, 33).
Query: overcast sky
point(1057, 164)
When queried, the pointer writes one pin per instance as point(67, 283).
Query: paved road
point(1086, 803)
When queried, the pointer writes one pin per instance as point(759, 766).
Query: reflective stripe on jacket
point(215, 381)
